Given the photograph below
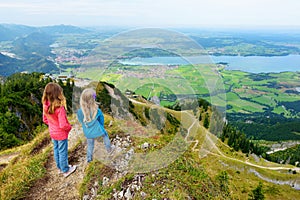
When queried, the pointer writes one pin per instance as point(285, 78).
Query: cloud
point(156, 12)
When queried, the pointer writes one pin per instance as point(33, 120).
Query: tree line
point(239, 141)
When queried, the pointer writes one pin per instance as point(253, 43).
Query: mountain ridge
point(206, 169)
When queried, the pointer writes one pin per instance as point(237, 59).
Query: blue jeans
point(60, 148)
point(90, 146)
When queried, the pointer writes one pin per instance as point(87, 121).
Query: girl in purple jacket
point(54, 115)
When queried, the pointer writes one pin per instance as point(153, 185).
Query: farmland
point(245, 92)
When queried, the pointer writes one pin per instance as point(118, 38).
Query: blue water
point(253, 64)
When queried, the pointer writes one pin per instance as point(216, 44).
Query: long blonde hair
point(88, 104)
point(53, 93)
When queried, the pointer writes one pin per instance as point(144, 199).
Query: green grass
point(92, 172)
point(92, 73)
point(279, 110)
point(232, 97)
point(265, 100)
point(182, 179)
point(243, 106)
point(20, 174)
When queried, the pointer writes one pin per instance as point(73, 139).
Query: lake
point(253, 64)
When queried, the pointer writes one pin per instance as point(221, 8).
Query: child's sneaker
point(61, 172)
point(71, 170)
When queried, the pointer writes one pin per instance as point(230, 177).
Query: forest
point(289, 156)
point(239, 141)
point(266, 126)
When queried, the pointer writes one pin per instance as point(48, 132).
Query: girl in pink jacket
point(54, 115)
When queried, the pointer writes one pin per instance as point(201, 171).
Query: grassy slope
point(196, 173)
point(17, 177)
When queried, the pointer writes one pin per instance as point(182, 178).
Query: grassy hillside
point(27, 166)
point(208, 169)
point(159, 154)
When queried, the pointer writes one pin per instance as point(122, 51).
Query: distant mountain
point(63, 29)
point(34, 63)
point(8, 65)
point(10, 32)
point(13, 31)
point(35, 43)
point(32, 46)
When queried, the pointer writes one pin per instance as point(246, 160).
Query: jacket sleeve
point(100, 117)
point(80, 116)
point(45, 119)
point(62, 119)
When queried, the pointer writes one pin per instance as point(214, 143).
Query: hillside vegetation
point(146, 164)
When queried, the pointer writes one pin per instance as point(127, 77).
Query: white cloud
point(155, 12)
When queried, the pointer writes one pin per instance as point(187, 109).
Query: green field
point(245, 92)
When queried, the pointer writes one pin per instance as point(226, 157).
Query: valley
point(166, 120)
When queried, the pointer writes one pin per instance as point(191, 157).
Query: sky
point(154, 13)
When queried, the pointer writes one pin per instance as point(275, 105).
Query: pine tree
point(206, 121)
point(257, 193)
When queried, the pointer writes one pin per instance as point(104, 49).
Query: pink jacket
point(59, 126)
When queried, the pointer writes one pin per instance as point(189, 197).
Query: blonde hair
point(53, 93)
point(88, 104)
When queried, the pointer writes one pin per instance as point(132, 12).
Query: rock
point(121, 194)
point(135, 187)
point(145, 145)
point(118, 149)
point(94, 192)
point(105, 181)
point(143, 194)
point(128, 194)
point(96, 184)
point(110, 123)
point(127, 156)
point(118, 144)
point(139, 180)
point(115, 195)
point(125, 144)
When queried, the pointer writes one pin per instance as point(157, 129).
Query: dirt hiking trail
point(54, 185)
